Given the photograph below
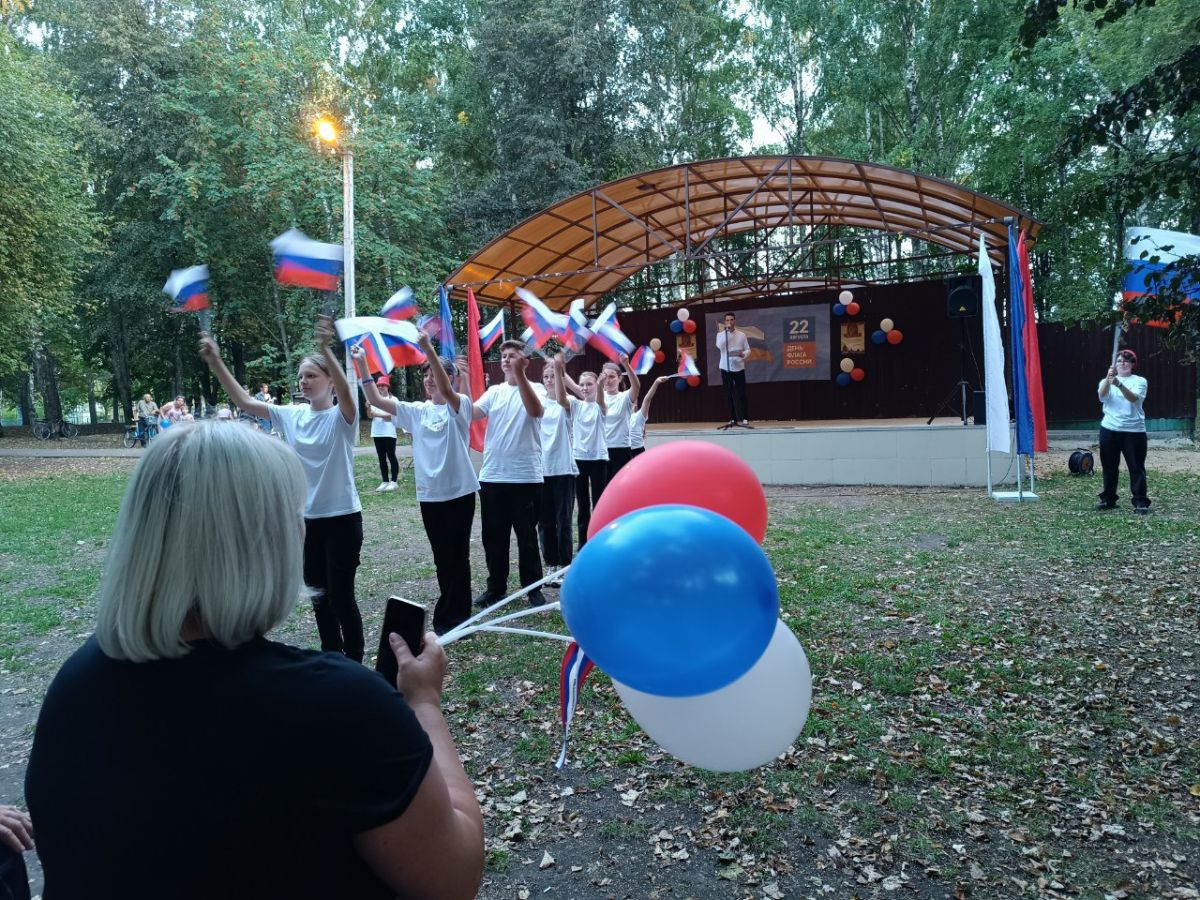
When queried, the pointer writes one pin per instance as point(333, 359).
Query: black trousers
point(589, 485)
point(331, 556)
point(505, 508)
point(554, 520)
point(617, 457)
point(735, 391)
point(448, 527)
point(385, 449)
point(1131, 445)
point(637, 451)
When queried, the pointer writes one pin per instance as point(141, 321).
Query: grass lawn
point(1004, 699)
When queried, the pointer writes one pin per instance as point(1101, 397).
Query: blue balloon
point(839, 309)
point(878, 337)
point(676, 326)
point(843, 380)
point(680, 385)
point(672, 600)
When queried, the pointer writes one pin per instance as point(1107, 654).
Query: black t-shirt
point(227, 773)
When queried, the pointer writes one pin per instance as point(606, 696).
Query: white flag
point(995, 393)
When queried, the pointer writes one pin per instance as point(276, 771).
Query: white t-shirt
point(637, 430)
point(616, 419)
point(512, 444)
point(735, 341)
point(382, 426)
point(1119, 413)
point(587, 438)
point(558, 452)
point(440, 443)
point(324, 441)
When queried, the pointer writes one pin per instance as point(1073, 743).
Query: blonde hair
point(183, 549)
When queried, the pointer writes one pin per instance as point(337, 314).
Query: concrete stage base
point(904, 452)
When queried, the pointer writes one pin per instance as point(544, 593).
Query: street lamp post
point(327, 133)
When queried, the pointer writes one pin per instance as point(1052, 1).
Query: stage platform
point(904, 452)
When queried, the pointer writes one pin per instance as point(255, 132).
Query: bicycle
point(133, 435)
point(43, 430)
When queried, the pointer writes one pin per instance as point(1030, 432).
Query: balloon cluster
point(673, 597)
point(683, 323)
point(850, 372)
point(656, 346)
point(846, 305)
point(887, 333)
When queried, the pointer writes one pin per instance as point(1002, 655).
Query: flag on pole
point(995, 393)
point(575, 669)
point(491, 332)
point(449, 349)
point(188, 288)
point(401, 305)
point(1149, 252)
point(301, 261)
point(1033, 353)
point(687, 368)
point(475, 352)
point(642, 360)
point(1025, 362)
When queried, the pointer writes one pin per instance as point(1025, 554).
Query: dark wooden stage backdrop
point(912, 379)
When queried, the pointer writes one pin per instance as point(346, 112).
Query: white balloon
point(655, 344)
point(886, 325)
point(846, 365)
point(683, 315)
point(845, 297)
point(743, 725)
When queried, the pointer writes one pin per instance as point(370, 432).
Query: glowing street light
point(326, 131)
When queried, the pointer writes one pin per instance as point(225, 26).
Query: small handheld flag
point(493, 331)
point(543, 324)
point(401, 305)
point(387, 344)
point(609, 340)
point(575, 669)
point(188, 288)
point(642, 360)
point(687, 367)
point(303, 262)
point(577, 333)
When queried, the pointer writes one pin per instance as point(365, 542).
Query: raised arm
point(347, 400)
point(649, 398)
point(560, 382)
point(533, 403)
point(374, 398)
point(635, 386)
point(211, 354)
point(441, 379)
point(571, 384)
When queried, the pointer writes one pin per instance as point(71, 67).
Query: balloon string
point(566, 638)
point(466, 630)
point(454, 633)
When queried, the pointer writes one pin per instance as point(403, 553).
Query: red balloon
point(659, 356)
point(853, 309)
point(689, 326)
point(690, 472)
point(693, 380)
point(894, 336)
point(858, 374)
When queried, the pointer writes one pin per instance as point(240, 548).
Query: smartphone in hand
point(407, 619)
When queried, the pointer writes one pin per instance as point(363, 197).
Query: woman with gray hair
point(224, 764)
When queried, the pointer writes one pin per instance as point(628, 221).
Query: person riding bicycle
point(145, 417)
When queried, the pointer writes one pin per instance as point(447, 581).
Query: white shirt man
point(734, 347)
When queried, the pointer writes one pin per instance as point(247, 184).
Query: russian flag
point(493, 331)
point(686, 366)
point(449, 348)
point(303, 262)
point(576, 333)
point(575, 669)
point(1153, 256)
point(543, 323)
point(609, 340)
point(401, 305)
point(387, 344)
point(188, 288)
point(642, 360)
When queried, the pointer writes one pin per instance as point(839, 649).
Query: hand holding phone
point(407, 619)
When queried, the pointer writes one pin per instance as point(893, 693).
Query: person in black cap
point(1123, 432)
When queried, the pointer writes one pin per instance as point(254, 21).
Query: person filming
point(1123, 432)
point(734, 347)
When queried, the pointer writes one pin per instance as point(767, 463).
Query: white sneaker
point(391, 486)
point(383, 486)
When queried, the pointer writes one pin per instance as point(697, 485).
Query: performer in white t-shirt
point(322, 433)
point(619, 406)
point(587, 440)
point(734, 347)
point(446, 483)
point(1123, 432)
point(559, 469)
point(383, 430)
point(510, 482)
point(637, 422)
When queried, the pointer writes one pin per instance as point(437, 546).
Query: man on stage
point(734, 347)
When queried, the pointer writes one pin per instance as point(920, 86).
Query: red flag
point(475, 368)
point(1033, 358)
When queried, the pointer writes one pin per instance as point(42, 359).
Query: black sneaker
point(537, 598)
point(487, 598)
point(1142, 510)
point(1103, 505)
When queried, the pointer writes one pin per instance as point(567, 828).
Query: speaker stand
point(963, 385)
point(728, 425)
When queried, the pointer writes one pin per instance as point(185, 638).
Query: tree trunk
point(119, 352)
point(281, 320)
point(93, 418)
point(238, 352)
point(178, 366)
point(25, 400)
point(47, 376)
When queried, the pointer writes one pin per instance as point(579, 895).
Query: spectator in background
point(263, 395)
point(145, 416)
